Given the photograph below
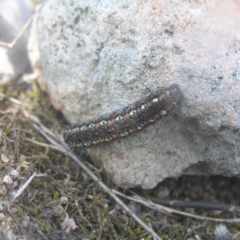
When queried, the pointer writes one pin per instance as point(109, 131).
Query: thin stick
point(26, 184)
point(161, 208)
point(23, 187)
point(195, 204)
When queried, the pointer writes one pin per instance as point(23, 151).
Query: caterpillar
point(125, 121)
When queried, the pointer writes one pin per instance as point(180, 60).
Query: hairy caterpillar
point(125, 121)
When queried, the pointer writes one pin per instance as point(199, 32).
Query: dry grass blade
point(24, 28)
point(43, 144)
point(11, 99)
point(11, 45)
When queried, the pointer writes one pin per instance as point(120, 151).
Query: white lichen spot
point(68, 224)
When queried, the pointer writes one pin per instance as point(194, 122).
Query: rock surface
point(97, 57)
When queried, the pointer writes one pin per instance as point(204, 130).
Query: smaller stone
point(68, 224)
point(63, 200)
point(14, 174)
point(7, 179)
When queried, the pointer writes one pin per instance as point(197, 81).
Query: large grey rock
point(97, 57)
